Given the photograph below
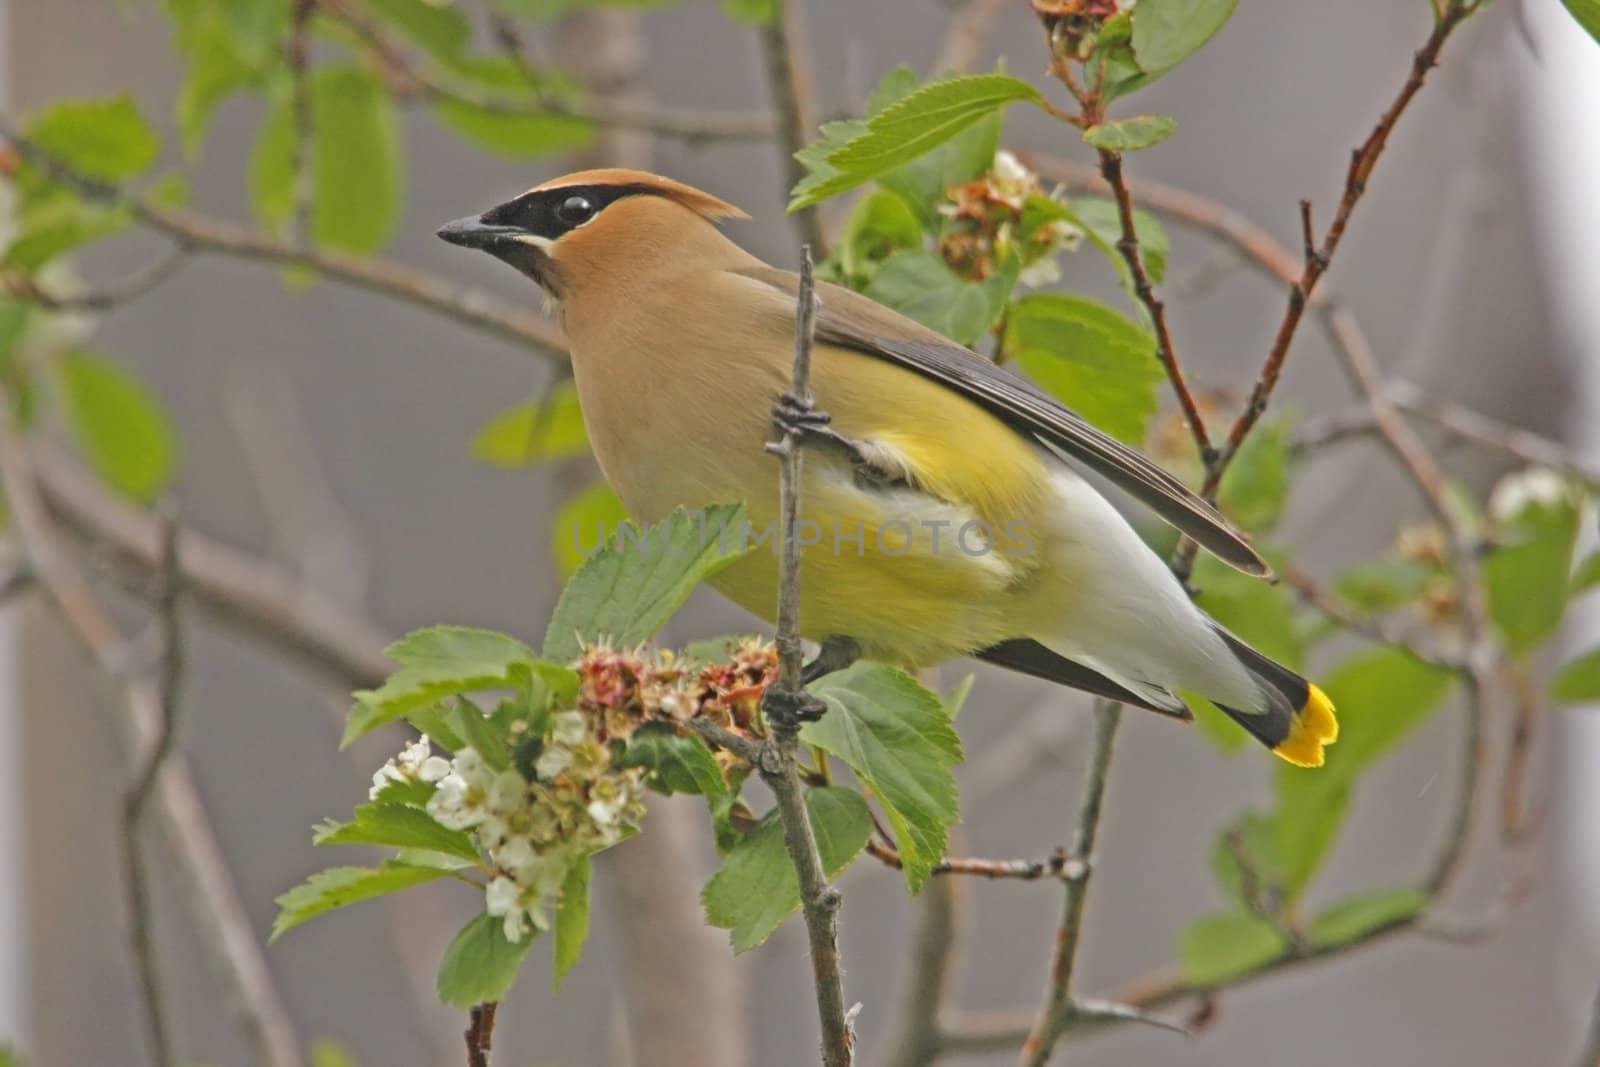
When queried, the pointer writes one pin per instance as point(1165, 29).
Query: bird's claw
point(793, 415)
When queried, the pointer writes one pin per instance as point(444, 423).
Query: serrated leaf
point(1219, 948)
point(676, 762)
point(897, 737)
point(397, 826)
point(1528, 579)
point(120, 426)
point(517, 135)
point(107, 140)
point(920, 284)
point(541, 428)
point(356, 160)
point(910, 127)
point(1090, 357)
point(1130, 135)
point(480, 965)
point(339, 887)
point(1166, 32)
point(584, 525)
point(757, 887)
point(1362, 914)
point(438, 662)
point(480, 734)
point(572, 919)
point(628, 592)
point(1256, 484)
point(217, 70)
point(1578, 682)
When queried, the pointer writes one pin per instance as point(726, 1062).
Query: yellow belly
point(915, 577)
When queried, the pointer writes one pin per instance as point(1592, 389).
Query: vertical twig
point(1057, 1010)
point(214, 898)
point(480, 1034)
point(820, 901)
point(136, 801)
point(789, 79)
point(297, 54)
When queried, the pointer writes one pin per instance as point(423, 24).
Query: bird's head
point(595, 223)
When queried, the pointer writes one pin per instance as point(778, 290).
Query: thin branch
point(136, 802)
point(1058, 865)
point(415, 81)
point(214, 898)
point(786, 698)
point(1374, 628)
point(480, 1034)
point(237, 587)
point(1056, 1013)
point(1469, 425)
point(789, 80)
point(130, 287)
point(966, 36)
point(296, 55)
point(1516, 823)
point(1128, 246)
point(193, 232)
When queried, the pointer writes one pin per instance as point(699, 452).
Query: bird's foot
point(794, 416)
point(788, 709)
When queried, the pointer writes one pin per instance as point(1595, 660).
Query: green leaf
point(517, 135)
point(920, 284)
point(356, 160)
point(1245, 860)
point(339, 887)
point(628, 592)
point(897, 737)
point(1099, 218)
point(1219, 948)
point(217, 70)
point(480, 734)
point(1587, 15)
point(956, 699)
point(1380, 696)
point(397, 826)
point(757, 887)
point(1130, 135)
point(903, 131)
point(441, 29)
point(59, 225)
point(107, 140)
point(1090, 357)
point(572, 919)
point(1257, 481)
point(258, 26)
point(880, 224)
point(325, 1053)
point(14, 317)
point(120, 426)
point(438, 662)
point(1528, 580)
point(1166, 32)
point(676, 762)
point(1384, 584)
point(547, 9)
point(751, 12)
point(480, 965)
point(542, 428)
point(1357, 916)
point(580, 527)
point(1578, 682)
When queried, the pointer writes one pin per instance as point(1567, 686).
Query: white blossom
point(569, 728)
point(1516, 492)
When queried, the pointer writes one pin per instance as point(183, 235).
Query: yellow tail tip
point(1314, 726)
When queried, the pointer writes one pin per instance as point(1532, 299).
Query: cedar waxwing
point(943, 516)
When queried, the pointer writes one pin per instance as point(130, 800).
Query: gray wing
point(853, 321)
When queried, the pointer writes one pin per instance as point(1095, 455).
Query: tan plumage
point(681, 343)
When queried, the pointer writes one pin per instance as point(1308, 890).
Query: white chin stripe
point(543, 244)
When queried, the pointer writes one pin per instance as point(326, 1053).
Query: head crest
point(703, 204)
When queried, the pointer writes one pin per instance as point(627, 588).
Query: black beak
point(473, 232)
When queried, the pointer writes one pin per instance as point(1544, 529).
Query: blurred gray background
point(1441, 266)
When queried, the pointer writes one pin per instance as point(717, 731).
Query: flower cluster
point(564, 792)
point(987, 219)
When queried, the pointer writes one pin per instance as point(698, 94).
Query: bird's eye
point(575, 210)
